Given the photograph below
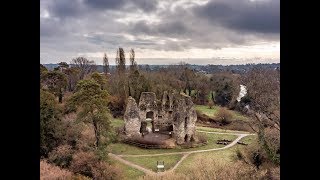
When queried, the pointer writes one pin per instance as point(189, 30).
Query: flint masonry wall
point(132, 119)
point(176, 110)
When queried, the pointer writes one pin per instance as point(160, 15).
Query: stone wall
point(148, 103)
point(132, 118)
point(176, 112)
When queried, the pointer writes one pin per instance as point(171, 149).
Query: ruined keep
point(173, 115)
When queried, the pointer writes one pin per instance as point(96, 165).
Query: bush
point(210, 104)
point(102, 170)
point(61, 156)
point(83, 162)
point(50, 123)
point(88, 164)
point(224, 115)
point(48, 171)
point(202, 137)
point(253, 154)
point(116, 106)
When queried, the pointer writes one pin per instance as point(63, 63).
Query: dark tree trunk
point(96, 132)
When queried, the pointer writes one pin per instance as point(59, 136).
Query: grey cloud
point(217, 24)
point(167, 28)
point(243, 15)
point(146, 5)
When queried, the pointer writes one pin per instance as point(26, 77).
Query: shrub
point(224, 115)
point(61, 156)
point(253, 154)
point(83, 162)
point(202, 137)
point(116, 105)
point(49, 171)
point(210, 104)
point(102, 170)
point(88, 164)
point(87, 137)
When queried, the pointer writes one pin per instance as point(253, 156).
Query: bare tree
point(84, 65)
point(121, 61)
point(133, 63)
point(263, 88)
point(264, 93)
point(121, 74)
point(106, 68)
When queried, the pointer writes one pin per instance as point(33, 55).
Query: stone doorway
point(150, 120)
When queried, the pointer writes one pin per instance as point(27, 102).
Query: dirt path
point(178, 163)
point(185, 154)
point(147, 171)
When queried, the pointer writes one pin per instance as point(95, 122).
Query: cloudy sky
point(212, 31)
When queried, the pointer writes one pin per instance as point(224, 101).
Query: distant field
point(151, 162)
point(212, 112)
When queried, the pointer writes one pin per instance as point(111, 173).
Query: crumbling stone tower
point(132, 118)
point(184, 119)
point(174, 115)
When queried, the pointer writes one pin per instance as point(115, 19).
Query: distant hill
point(206, 69)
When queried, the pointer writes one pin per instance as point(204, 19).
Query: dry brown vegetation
point(49, 171)
point(205, 168)
point(87, 163)
point(224, 116)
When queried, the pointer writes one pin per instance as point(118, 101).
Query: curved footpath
point(185, 154)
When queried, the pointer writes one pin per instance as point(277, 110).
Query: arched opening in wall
point(149, 115)
point(171, 128)
point(150, 120)
point(143, 127)
point(192, 138)
point(186, 138)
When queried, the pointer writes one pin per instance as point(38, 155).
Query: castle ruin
point(173, 115)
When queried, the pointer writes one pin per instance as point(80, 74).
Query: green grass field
point(129, 172)
point(151, 162)
point(249, 139)
point(212, 112)
point(121, 148)
point(209, 129)
point(225, 156)
point(117, 122)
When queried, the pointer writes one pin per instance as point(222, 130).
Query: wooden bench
point(160, 167)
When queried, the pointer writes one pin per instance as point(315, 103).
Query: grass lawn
point(121, 148)
point(209, 129)
point(117, 122)
point(151, 162)
point(224, 156)
point(227, 155)
point(129, 172)
point(212, 112)
point(249, 139)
